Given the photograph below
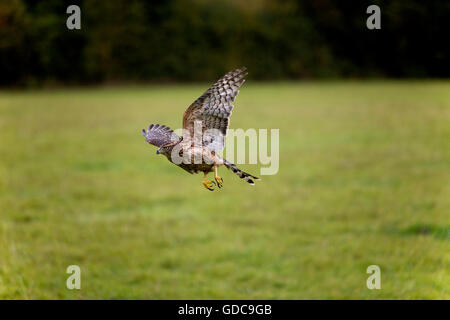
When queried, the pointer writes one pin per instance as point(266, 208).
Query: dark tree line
point(185, 40)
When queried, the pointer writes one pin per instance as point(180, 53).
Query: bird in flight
point(205, 125)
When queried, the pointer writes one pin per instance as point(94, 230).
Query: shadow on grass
point(424, 229)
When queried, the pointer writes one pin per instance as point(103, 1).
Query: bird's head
point(165, 149)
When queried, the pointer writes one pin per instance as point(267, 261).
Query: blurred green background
point(185, 40)
point(364, 172)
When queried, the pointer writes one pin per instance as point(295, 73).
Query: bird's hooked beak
point(158, 152)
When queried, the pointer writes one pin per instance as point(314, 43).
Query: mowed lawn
point(364, 179)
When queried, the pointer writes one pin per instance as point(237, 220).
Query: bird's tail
point(242, 174)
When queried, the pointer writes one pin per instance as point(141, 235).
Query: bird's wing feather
point(159, 135)
point(213, 110)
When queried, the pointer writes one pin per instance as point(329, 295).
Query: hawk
point(205, 125)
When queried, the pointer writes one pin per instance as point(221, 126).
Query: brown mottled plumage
point(205, 124)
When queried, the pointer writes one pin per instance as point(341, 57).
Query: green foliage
point(364, 179)
point(192, 40)
point(14, 25)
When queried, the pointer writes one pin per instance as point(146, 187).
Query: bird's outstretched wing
point(213, 109)
point(159, 135)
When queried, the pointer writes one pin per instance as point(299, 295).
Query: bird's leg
point(208, 183)
point(218, 179)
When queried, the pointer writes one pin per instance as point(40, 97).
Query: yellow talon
point(208, 184)
point(218, 179)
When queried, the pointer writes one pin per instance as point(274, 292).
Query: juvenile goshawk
point(205, 125)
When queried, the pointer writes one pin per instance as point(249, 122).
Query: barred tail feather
point(242, 174)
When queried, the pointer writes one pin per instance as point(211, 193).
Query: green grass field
point(364, 179)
